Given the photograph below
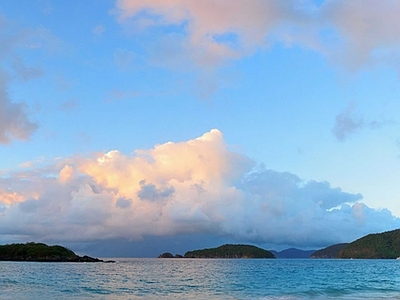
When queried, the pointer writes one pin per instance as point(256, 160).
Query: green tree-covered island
point(329, 252)
point(41, 252)
point(378, 245)
point(385, 245)
point(226, 251)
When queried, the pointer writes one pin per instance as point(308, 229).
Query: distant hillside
point(378, 245)
point(41, 252)
point(329, 252)
point(293, 253)
point(230, 251)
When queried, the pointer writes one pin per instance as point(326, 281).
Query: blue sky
point(160, 125)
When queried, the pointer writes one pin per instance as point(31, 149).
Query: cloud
point(351, 33)
point(368, 31)
point(214, 30)
point(98, 30)
point(8, 198)
point(14, 119)
point(196, 187)
point(346, 123)
point(66, 174)
point(123, 202)
point(24, 72)
point(203, 36)
point(68, 105)
point(123, 58)
point(117, 94)
point(151, 193)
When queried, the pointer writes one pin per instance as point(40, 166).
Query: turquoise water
point(202, 279)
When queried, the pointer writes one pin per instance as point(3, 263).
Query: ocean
point(202, 279)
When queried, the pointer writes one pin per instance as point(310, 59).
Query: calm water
point(202, 279)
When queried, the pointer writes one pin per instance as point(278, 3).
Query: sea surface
point(202, 279)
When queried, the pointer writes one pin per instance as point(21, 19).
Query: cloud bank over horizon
point(196, 187)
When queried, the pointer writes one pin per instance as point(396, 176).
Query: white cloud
point(197, 186)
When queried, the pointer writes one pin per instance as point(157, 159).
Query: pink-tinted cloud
point(216, 30)
point(352, 33)
point(197, 186)
point(10, 198)
point(368, 31)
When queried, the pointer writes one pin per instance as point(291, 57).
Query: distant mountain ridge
point(293, 253)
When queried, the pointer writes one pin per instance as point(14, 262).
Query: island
point(169, 255)
point(42, 253)
point(385, 245)
point(329, 252)
point(230, 251)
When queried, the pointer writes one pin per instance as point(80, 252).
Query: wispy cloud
point(198, 186)
point(15, 122)
point(98, 30)
point(214, 30)
point(69, 105)
point(117, 94)
point(347, 123)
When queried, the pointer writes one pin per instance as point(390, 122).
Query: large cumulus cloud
point(193, 187)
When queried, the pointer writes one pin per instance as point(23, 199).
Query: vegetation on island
point(41, 252)
point(378, 245)
point(169, 255)
point(230, 251)
point(329, 252)
point(384, 245)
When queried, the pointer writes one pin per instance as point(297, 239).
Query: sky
point(137, 127)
